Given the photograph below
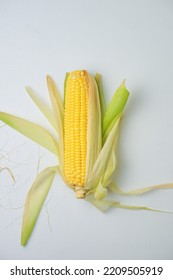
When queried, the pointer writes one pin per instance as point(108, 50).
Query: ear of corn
point(87, 139)
point(82, 129)
point(75, 129)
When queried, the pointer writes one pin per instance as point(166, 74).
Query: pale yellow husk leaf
point(35, 199)
point(113, 186)
point(33, 131)
point(58, 109)
point(102, 161)
point(42, 107)
point(94, 127)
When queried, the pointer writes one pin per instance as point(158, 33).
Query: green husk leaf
point(58, 112)
point(115, 108)
point(42, 106)
point(98, 79)
point(101, 163)
point(117, 190)
point(94, 126)
point(33, 131)
point(34, 201)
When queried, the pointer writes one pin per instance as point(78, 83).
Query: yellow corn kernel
point(75, 129)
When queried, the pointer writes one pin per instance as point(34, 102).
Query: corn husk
point(102, 139)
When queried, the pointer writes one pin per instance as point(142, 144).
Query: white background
point(119, 39)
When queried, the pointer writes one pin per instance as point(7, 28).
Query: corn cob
point(75, 129)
